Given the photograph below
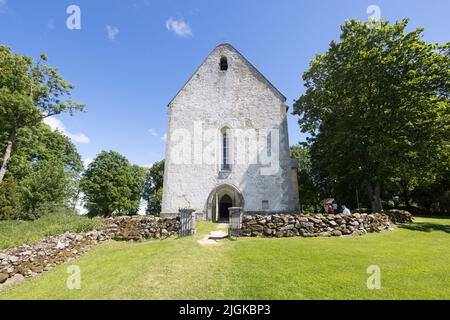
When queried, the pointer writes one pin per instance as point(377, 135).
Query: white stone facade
point(245, 105)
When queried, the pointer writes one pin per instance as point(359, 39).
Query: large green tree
point(377, 106)
point(29, 92)
point(43, 171)
point(153, 188)
point(112, 186)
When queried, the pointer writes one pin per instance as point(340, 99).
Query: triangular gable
point(258, 74)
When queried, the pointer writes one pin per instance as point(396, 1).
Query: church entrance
point(225, 203)
point(220, 200)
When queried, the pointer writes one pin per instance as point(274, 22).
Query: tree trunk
point(7, 152)
point(375, 196)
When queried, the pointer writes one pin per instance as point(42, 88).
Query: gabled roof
point(248, 63)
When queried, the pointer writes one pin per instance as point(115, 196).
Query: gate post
point(236, 215)
point(187, 222)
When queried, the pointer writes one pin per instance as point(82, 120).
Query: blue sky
point(131, 57)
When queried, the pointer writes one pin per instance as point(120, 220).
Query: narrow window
point(269, 144)
point(226, 152)
point(265, 205)
point(223, 64)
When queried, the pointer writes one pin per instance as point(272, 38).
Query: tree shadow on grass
point(426, 227)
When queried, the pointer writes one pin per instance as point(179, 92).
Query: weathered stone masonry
point(280, 226)
point(239, 99)
point(25, 261)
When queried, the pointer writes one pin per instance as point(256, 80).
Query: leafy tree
point(154, 205)
point(377, 106)
point(109, 186)
point(434, 196)
point(309, 193)
point(153, 188)
point(44, 187)
point(29, 92)
point(47, 167)
point(9, 200)
point(139, 174)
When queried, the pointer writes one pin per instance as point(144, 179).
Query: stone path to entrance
point(215, 236)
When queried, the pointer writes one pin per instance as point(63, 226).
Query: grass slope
point(14, 233)
point(414, 262)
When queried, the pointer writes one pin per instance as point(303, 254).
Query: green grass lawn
point(14, 233)
point(414, 262)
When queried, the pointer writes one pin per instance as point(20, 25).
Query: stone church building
point(227, 142)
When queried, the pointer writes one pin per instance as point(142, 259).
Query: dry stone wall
point(141, 228)
point(399, 216)
point(25, 261)
point(285, 225)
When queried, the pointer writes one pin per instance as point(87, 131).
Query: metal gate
point(187, 222)
point(236, 216)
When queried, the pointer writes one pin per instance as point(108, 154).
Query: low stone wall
point(399, 216)
point(141, 228)
point(287, 225)
point(30, 260)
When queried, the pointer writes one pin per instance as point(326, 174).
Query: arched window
point(226, 151)
point(223, 64)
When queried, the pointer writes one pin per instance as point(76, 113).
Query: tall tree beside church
point(153, 188)
point(376, 100)
point(29, 92)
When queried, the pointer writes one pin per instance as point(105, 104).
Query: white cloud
point(112, 32)
point(152, 132)
point(56, 124)
point(164, 137)
point(180, 27)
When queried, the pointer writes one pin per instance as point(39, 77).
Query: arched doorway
point(224, 204)
point(221, 199)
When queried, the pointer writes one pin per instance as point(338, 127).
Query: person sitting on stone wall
point(335, 207)
point(330, 209)
point(345, 211)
